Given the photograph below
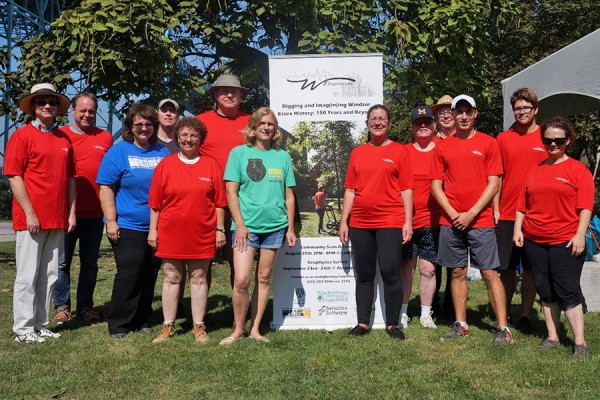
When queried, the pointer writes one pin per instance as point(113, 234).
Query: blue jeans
point(89, 233)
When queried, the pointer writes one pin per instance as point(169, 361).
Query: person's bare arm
point(464, 219)
point(17, 186)
point(407, 229)
point(290, 205)
point(346, 208)
point(107, 202)
point(233, 201)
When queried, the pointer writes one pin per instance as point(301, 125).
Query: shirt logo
point(388, 160)
point(136, 162)
point(477, 152)
point(100, 148)
point(537, 149)
point(66, 149)
point(203, 178)
point(561, 179)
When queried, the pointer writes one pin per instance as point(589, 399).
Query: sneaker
point(404, 321)
point(396, 333)
point(199, 333)
point(456, 330)
point(120, 335)
point(427, 322)
point(580, 351)
point(167, 332)
point(358, 331)
point(549, 344)
point(31, 337)
point(47, 334)
point(524, 325)
point(90, 315)
point(504, 336)
point(62, 316)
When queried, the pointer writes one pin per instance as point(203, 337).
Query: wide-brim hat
point(230, 81)
point(44, 89)
point(445, 100)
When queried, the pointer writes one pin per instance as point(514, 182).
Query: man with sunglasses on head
point(40, 168)
point(521, 149)
point(90, 144)
point(224, 132)
point(466, 177)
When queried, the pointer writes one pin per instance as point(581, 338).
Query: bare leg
point(575, 318)
point(407, 272)
point(552, 315)
point(199, 288)
point(243, 261)
point(460, 291)
point(496, 294)
point(173, 271)
point(528, 293)
point(261, 289)
point(427, 282)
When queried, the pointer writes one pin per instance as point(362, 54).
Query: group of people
point(456, 194)
point(175, 190)
point(168, 195)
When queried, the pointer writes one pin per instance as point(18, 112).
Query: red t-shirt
point(223, 134)
point(378, 174)
point(88, 150)
point(45, 162)
point(464, 165)
point(551, 199)
point(519, 154)
point(320, 200)
point(427, 211)
point(186, 196)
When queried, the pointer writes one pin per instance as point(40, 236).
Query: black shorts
point(423, 244)
point(556, 273)
point(510, 255)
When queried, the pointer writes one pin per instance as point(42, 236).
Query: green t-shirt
point(263, 176)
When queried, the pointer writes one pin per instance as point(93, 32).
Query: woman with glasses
point(124, 178)
point(187, 197)
point(377, 219)
point(553, 213)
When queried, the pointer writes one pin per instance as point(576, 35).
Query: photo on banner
point(321, 103)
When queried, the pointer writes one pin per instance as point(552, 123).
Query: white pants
point(37, 270)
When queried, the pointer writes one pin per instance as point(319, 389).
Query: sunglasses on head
point(43, 102)
point(558, 141)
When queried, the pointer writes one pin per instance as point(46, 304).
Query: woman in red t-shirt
point(553, 213)
point(187, 200)
point(378, 194)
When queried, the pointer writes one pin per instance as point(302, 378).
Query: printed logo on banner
point(296, 313)
point(329, 310)
point(332, 296)
point(300, 296)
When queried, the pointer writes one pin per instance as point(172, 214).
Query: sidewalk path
point(6, 232)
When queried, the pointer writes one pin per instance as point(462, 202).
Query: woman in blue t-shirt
point(124, 178)
point(259, 180)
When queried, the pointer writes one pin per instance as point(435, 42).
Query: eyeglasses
point(522, 110)
point(441, 113)
point(191, 137)
point(43, 102)
point(140, 126)
point(559, 141)
point(377, 119)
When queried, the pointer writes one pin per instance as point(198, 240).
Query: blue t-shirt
point(128, 169)
point(263, 176)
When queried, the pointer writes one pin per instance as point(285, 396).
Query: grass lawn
point(86, 363)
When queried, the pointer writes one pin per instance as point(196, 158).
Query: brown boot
point(199, 333)
point(167, 332)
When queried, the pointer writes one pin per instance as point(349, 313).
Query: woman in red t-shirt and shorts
point(377, 218)
point(553, 213)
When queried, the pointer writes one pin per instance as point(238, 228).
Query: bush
point(5, 199)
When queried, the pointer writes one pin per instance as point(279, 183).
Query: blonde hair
point(254, 124)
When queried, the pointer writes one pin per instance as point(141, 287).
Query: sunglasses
point(50, 102)
point(558, 141)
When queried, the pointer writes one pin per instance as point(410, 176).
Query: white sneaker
point(31, 337)
point(427, 322)
point(47, 334)
point(404, 321)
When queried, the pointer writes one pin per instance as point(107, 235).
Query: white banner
point(337, 87)
point(314, 287)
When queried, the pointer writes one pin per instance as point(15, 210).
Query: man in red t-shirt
point(320, 206)
point(521, 149)
point(224, 132)
point(39, 166)
point(90, 144)
point(467, 171)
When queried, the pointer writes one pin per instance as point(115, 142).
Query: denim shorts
point(271, 240)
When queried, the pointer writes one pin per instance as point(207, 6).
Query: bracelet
point(221, 230)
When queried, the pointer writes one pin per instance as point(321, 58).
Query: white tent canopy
point(566, 82)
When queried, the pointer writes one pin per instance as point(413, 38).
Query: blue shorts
point(271, 240)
